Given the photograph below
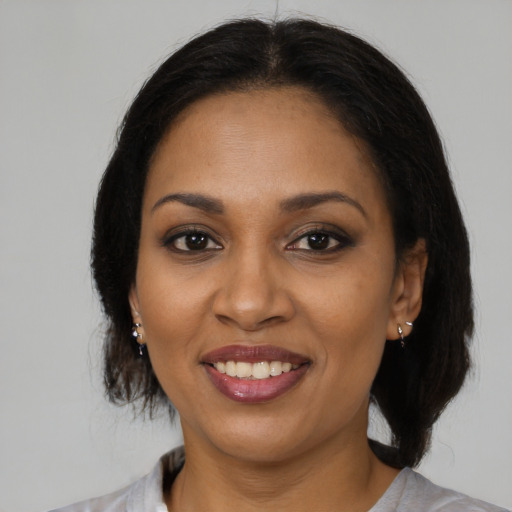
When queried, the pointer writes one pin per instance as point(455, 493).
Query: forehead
point(269, 142)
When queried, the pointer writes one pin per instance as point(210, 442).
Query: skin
point(258, 281)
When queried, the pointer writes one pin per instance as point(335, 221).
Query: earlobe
point(408, 290)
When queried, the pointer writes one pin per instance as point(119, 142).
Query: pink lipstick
point(254, 374)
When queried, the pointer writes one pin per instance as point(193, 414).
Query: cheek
point(172, 309)
point(172, 317)
point(349, 316)
point(355, 303)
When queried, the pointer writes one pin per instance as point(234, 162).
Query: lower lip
point(255, 391)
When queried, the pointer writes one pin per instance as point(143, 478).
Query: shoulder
point(412, 491)
point(113, 502)
point(143, 495)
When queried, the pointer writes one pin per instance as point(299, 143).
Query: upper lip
point(253, 354)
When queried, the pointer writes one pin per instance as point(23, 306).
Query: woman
point(277, 244)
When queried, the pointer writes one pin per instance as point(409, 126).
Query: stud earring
point(401, 333)
point(138, 337)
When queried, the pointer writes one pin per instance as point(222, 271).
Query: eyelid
point(176, 233)
point(344, 240)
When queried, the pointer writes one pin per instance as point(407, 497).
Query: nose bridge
point(251, 295)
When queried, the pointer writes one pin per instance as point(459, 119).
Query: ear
point(407, 290)
point(133, 299)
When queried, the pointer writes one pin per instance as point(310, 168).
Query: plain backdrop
point(68, 70)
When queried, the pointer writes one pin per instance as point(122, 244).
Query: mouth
point(254, 374)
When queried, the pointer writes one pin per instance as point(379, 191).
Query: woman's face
point(266, 242)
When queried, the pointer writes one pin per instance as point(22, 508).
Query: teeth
point(231, 368)
point(243, 370)
point(259, 370)
point(276, 368)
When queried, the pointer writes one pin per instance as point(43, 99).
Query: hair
point(372, 99)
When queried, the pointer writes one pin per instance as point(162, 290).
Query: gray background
point(68, 70)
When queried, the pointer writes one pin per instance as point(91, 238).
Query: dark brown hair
point(373, 99)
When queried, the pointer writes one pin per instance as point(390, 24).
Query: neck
point(333, 476)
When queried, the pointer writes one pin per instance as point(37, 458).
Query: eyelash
point(170, 241)
point(341, 241)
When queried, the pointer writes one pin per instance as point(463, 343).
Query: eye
point(192, 240)
point(321, 241)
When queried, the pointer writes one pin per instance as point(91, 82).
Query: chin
point(265, 439)
point(248, 438)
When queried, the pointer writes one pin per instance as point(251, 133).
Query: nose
point(253, 293)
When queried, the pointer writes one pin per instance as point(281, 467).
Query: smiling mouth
point(254, 374)
point(254, 371)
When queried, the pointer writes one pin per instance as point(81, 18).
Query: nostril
point(248, 324)
point(251, 299)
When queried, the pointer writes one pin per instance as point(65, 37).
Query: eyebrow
point(205, 203)
point(305, 201)
point(292, 204)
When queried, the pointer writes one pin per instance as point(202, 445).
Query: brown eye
point(192, 241)
point(196, 242)
point(318, 241)
point(321, 241)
